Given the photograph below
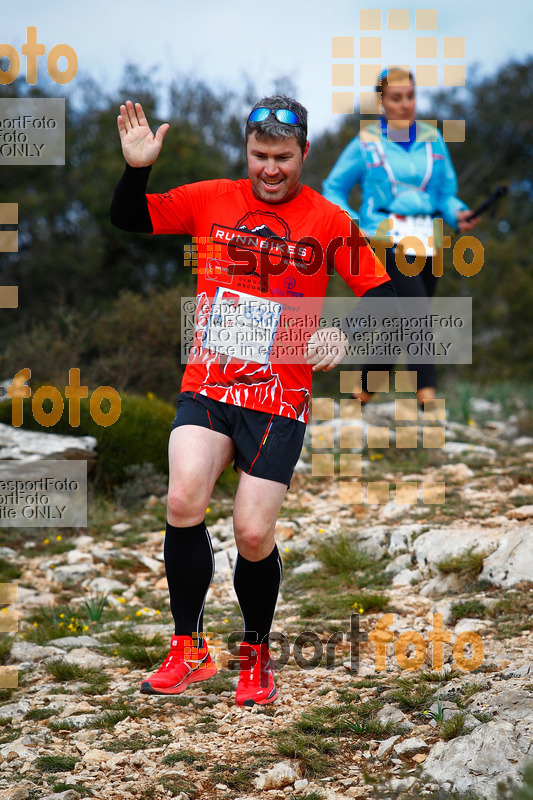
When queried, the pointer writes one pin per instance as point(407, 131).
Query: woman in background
point(406, 174)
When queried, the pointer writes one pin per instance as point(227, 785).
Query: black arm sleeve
point(386, 290)
point(129, 209)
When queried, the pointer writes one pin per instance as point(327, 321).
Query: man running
point(249, 411)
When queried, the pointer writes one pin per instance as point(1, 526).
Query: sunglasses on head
point(283, 115)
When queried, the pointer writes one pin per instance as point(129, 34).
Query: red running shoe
point(185, 664)
point(256, 676)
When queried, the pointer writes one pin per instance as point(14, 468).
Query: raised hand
point(139, 145)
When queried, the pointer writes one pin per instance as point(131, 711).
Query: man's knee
point(185, 506)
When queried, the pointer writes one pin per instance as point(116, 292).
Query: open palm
point(139, 145)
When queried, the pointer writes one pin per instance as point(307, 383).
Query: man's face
point(274, 167)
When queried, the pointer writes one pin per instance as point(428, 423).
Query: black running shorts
point(266, 445)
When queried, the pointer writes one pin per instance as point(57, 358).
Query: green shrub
point(139, 435)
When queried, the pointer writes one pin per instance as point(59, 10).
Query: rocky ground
point(76, 725)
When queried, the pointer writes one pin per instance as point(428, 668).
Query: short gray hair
point(270, 128)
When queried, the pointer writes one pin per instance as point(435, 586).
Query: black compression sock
point(189, 565)
point(257, 586)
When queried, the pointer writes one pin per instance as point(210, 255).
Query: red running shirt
point(270, 234)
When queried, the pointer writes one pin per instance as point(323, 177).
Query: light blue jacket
point(420, 180)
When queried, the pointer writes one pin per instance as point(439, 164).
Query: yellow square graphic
point(350, 492)
point(369, 102)
point(342, 103)
point(426, 19)
point(453, 130)
point(377, 437)
point(453, 75)
point(370, 47)
point(9, 213)
point(9, 677)
point(350, 409)
point(434, 409)
point(8, 593)
point(322, 465)
point(350, 465)
point(405, 381)
point(433, 493)
point(323, 408)
point(454, 47)
point(377, 492)
point(406, 493)
point(323, 436)
point(398, 19)
point(9, 619)
point(342, 75)
point(351, 436)
point(406, 409)
point(369, 74)
point(370, 19)
point(433, 437)
point(426, 47)
point(350, 381)
point(9, 241)
point(378, 381)
point(342, 46)
point(428, 137)
point(426, 74)
point(406, 437)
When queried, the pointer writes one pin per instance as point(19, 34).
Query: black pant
point(423, 286)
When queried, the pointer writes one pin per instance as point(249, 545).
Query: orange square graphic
point(350, 465)
point(9, 677)
point(342, 75)
point(426, 74)
point(350, 492)
point(406, 493)
point(428, 137)
point(322, 408)
point(9, 296)
point(9, 241)
point(370, 19)
point(370, 47)
point(454, 47)
point(426, 47)
point(377, 437)
point(405, 381)
point(351, 437)
point(406, 438)
point(322, 465)
point(433, 493)
point(398, 19)
point(406, 409)
point(378, 492)
point(453, 75)
point(369, 74)
point(426, 19)
point(399, 81)
point(453, 130)
point(434, 409)
point(342, 46)
point(9, 213)
point(9, 619)
point(8, 593)
point(433, 437)
point(350, 409)
point(342, 103)
point(378, 381)
point(323, 436)
point(369, 102)
point(350, 381)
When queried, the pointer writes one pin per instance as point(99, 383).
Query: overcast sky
point(225, 41)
